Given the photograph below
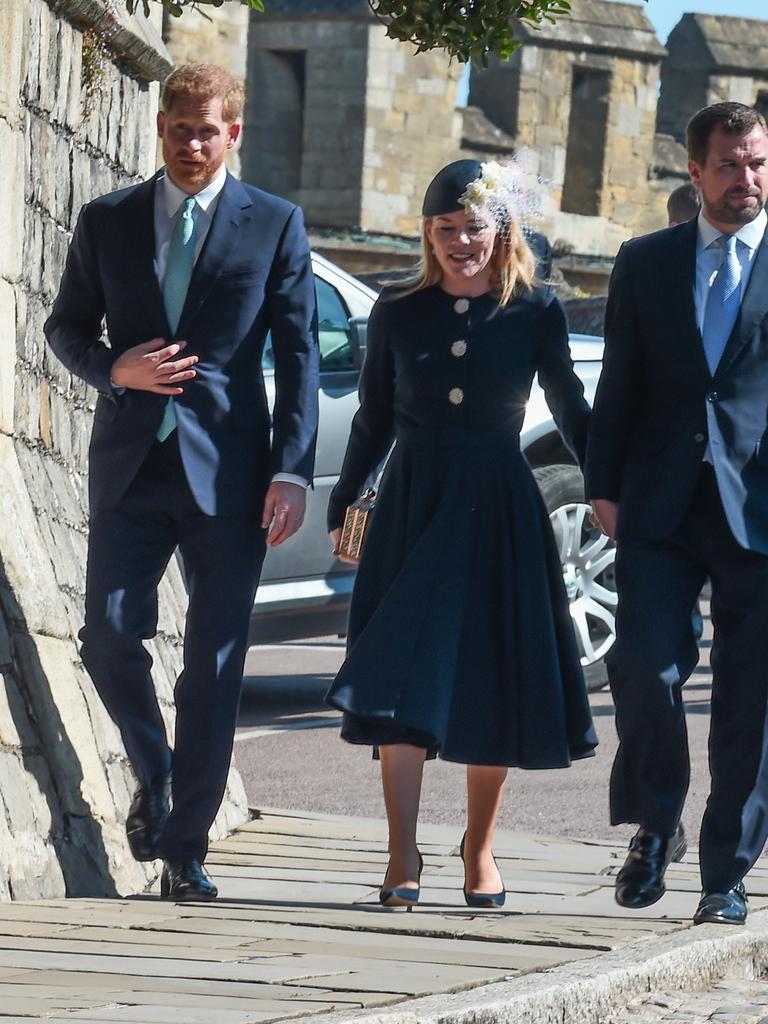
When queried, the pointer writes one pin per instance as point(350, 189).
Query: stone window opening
point(761, 103)
point(587, 133)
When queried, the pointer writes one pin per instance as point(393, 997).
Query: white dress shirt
point(169, 200)
point(709, 256)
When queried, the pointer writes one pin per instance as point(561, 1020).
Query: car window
point(333, 329)
point(333, 332)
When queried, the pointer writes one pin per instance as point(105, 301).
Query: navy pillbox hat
point(447, 187)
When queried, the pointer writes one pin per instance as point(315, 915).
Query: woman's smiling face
point(463, 244)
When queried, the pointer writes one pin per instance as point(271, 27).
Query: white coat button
point(455, 396)
point(461, 305)
point(458, 349)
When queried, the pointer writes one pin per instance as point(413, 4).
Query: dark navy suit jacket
point(253, 275)
point(657, 403)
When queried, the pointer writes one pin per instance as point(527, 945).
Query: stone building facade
point(351, 124)
point(712, 59)
point(343, 120)
point(581, 96)
point(65, 784)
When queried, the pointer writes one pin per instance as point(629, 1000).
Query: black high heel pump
point(401, 896)
point(481, 900)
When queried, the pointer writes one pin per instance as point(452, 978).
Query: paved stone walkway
point(733, 1001)
point(298, 930)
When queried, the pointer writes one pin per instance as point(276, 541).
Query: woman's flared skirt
point(460, 636)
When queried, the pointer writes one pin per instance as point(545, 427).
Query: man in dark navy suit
point(677, 470)
point(191, 270)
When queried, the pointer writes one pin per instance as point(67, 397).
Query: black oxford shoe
point(640, 883)
point(723, 907)
point(184, 881)
point(146, 818)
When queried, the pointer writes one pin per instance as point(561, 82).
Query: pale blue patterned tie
point(178, 272)
point(723, 303)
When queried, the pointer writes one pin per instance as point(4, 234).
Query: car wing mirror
point(358, 326)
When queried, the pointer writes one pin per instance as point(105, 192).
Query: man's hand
point(151, 367)
point(605, 513)
point(283, 511)
point(335, 536)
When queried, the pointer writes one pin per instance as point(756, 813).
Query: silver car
point(305, 592)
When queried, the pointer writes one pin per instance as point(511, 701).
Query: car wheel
point(587, 557)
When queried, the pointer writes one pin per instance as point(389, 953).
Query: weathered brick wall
point(64, 781)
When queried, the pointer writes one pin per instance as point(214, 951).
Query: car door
point(307, 555)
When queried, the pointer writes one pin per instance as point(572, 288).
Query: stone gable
point(730, 44)
point(711, 59)
point(600, 27)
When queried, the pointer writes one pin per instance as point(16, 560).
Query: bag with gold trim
point(356, 522)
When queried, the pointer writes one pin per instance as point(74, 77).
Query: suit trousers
point(130, 546)
point(656, 651)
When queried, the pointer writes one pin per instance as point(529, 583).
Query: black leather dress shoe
point(640, 882)
point(723, 907)
point(184, 881)
point(146, 818)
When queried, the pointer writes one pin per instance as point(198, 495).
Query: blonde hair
point(204, 82)
point(513, 265)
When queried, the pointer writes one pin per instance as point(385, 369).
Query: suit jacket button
point(455, 396)
point(458, 349)
point(699, 438)
point(712, 396)
point(461, 305)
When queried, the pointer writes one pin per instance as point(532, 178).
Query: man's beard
point(725, 213)
point(202, 172)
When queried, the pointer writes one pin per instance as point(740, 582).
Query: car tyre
point(587, 557)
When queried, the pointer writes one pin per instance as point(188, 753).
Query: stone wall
point(65, 784)
point(629, 154)
point(304, 126)
point(412, 129)
point(584, 106)
point(345, 122)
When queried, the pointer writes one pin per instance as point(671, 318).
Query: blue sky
point(665, 14)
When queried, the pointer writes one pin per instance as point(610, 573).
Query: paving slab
point(298, 931)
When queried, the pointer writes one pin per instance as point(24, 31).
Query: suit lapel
point(754, 307)
point(138, 248)
point(682, 268)
point(233, 210)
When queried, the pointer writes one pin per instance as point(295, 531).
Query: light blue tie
point(178, 272)
point(723, 303)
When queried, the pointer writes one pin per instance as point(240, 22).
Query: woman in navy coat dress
point(460, 639)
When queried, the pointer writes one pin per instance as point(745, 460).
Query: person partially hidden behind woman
point(460, 638)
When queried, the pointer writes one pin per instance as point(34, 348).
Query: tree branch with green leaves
point(466, 29)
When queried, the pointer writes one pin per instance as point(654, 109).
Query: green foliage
point(466, 29)
point(177, 7)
